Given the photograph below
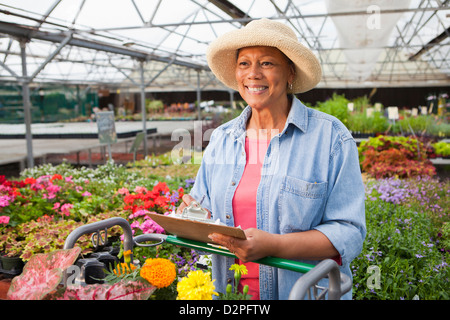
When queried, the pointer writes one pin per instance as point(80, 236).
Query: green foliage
point(232, 292)
point(360, 122)
point(441, 148)
point(400, 244)
point(357, 121)
point(422, 125)
point(154, 105)
point(336, 106)
point(43, 235)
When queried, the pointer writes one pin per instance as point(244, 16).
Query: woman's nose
point(254, 71)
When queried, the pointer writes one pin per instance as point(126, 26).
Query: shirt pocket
point(301, 204)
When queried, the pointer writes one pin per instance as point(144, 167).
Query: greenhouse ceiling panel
point(107, 42)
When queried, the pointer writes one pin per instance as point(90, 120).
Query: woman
point(287, 174)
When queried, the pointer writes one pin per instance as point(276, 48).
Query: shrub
point(441, 148)
point(336, 106)
point(403, 157)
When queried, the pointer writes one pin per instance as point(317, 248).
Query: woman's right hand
point(187, 199)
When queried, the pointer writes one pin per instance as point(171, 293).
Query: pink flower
point(4, 201)
point(56, 206)
point(123, 191)
point(87, 194)
point(4, 219)
point(65, 209)
point(139, 189)
point(138, 213)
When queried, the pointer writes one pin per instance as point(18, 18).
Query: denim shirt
point(310, 179)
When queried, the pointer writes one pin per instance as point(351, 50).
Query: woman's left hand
point(256, 246)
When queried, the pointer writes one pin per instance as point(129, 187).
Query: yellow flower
point(196, 286)
point(124, 268)
point(240, 269)
point(127, 256)
point(159, 272)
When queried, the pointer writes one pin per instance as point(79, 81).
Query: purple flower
point(189, 182)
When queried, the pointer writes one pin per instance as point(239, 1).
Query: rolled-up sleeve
point(344, 217)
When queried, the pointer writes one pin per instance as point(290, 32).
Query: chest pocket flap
point(301, 204)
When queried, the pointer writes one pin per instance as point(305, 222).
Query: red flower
point(149, 204)
point(56, 177)
point(161, 187)
point(161, 201)
point(29, 180)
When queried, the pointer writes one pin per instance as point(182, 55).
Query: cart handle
point(312, 273)
point(339, 283)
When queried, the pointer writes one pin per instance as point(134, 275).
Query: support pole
point(26, 104)
point(199, 96)
point(144, 111)
point(231, 99)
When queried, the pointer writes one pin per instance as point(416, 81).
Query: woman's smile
point(256, 89)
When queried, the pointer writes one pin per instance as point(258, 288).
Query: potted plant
point(12, 243)
point(46, 234)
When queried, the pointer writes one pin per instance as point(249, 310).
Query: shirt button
point(229, 280)
point(227, 216)
point(233, 183)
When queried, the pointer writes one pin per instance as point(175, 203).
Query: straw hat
point(221, 53)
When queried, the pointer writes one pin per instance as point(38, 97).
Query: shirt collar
point(298, 116)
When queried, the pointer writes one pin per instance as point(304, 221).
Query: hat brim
point(222, 55)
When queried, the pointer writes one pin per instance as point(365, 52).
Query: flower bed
point(408, 239)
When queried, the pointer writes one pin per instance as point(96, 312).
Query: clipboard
point(195, 230)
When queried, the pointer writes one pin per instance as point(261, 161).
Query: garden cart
point(306, 286)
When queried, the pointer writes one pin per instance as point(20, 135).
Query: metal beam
point(295, 16)
point(230, 9)
point(433, 42)
point(51, 56)
point(24, 32)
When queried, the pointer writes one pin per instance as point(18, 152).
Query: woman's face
point(263, 74)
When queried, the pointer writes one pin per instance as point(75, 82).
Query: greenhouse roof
point(107, 42)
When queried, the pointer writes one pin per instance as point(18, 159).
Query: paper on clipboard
point(195, 230)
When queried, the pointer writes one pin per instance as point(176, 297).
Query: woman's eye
point(266, 63)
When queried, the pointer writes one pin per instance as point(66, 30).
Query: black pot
point(11, 265)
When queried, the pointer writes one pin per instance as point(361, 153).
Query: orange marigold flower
point(159, 272)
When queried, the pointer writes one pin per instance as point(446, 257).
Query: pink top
point(244, 204)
